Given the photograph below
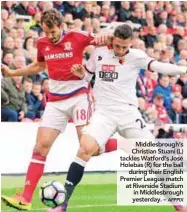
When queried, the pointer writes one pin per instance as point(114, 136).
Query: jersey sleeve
point(84, 38)
point(143, 61)
point(40, 57)
point(89, 39)
point(91, 63)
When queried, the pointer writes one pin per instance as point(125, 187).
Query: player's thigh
point(133, 133)
point(81, 113)
point(101, 127)
point(134, 126)
point(54, 117)
point(136, 133)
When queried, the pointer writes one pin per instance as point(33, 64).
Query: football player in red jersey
point(68, 95)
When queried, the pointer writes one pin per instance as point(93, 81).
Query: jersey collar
point(110, 48)
point(62, 36)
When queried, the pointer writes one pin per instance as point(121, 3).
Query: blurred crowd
point(160, 29)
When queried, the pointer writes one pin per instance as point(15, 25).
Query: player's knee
point(42, 148)
point(86, 152)
point(88, 148)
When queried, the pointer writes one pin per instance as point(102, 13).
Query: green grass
point(96, 193)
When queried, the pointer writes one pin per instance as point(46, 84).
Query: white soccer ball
point(52, 193)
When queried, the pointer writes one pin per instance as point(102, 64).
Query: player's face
point(121, 46)
point(53, 34)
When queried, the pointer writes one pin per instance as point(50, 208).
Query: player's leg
point(132, 125)
point(45, 139)
point(81, 113)
point(88, 147)
point(111, 144)
point(93, 140)
point(53, 122)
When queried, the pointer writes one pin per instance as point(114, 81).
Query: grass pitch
point(96, 193)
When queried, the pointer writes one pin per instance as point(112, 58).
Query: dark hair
point(43, 80)
point(37, 83)
point(27, 79)
point(52, 17)
point(163, 75)
point(123, 32)
point(25, 42)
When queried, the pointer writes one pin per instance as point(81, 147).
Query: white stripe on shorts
point(37, 161)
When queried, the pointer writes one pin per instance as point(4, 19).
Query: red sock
point(111, 145)
point(34, 174)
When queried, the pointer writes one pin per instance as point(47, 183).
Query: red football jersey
point(59, 59)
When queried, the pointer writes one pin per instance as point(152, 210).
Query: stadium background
point(160, 29)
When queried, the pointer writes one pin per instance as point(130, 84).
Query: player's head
point(122, 39)
point(51, 22)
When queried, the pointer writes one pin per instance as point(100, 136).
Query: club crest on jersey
point(67, 46)
point(47, 49)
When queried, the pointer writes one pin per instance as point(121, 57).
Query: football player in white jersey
point(116, 108)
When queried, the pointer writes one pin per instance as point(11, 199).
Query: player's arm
point(31, 69)
point(167, 68)
point(101, 39)
point(82, 72)
point(86, 39)
point(145, 62)
point(87, 71)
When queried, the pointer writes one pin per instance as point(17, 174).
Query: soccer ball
point(52, 193)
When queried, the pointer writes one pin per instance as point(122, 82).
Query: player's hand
point(78, 70)
point(102, 39)
point(21, 115)
point(6, 71)
point(40, 97)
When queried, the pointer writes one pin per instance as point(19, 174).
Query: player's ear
point(130, 45)
point(62, 26)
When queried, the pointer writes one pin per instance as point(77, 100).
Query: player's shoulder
point(76, 32)
point(102, 49)
point(42, 39)
point(99, 50)
point(136, 53)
